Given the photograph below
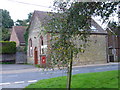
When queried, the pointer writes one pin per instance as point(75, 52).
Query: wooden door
point(35, 56)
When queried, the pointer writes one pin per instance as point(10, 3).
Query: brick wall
point(95, 53)
point(34, 35)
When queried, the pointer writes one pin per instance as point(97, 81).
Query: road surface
point(21, 76)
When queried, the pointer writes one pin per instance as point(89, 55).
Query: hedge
point(7, 47)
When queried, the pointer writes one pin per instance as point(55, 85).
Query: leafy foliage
point(24, 22)
point(21, 23)
point(72, 23)
point(7, 47)
point(114, 27)
point(7, 22)
point(5, 34)
point(29, 17)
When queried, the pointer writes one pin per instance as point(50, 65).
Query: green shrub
point(7, 47)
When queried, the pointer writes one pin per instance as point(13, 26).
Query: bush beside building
point(7, 51)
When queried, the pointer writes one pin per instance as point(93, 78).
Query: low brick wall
point(7, 58)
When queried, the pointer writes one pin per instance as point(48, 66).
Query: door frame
point(35, 55)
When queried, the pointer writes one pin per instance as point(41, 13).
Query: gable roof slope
point(20, 30)
point(99, 29)
point(44, 18)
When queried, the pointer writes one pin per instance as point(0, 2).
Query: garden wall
point(7, 58)
point(21, 57)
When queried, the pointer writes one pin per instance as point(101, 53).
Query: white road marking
point(4, 83)
point(33, 81)
point(19, 82)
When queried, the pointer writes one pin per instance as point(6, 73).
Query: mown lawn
point(107, 79)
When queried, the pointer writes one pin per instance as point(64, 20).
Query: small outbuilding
point(17, 35)
point(113, 44)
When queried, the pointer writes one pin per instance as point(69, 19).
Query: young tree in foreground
point(71, 23)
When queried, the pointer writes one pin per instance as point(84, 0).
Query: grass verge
point(107, 79)
point(7, 63)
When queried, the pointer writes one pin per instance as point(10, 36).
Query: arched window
point(30, 48)
point(41, 40)
point(41, 45)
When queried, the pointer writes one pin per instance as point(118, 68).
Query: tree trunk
point(69, 73)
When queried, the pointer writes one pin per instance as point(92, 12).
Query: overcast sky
point(19, 9)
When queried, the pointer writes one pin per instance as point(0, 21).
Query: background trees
point(5, 34)
point(114, 27)
point(7, 23)
point(24, 22)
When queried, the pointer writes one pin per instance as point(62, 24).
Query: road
point(21, 77)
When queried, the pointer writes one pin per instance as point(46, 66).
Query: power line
point(29, 3)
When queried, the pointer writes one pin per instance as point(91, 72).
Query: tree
point(21, 23)
point(24, 22)
point(29, 17)
point(72, 22)
point(7, 23)
point(114, 27)
point(5, 34)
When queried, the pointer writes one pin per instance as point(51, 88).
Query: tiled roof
point(44, 17)
point(20, 30)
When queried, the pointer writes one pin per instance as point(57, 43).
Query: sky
point(19, 9)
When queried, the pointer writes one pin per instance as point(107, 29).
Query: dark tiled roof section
point(43, 16)
point(20, 30)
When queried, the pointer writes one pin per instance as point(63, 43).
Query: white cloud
point(19, 10)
